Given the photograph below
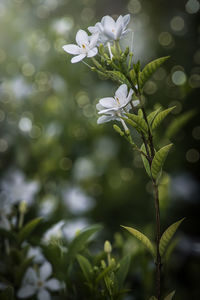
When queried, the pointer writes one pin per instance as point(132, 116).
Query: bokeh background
point(53, 153)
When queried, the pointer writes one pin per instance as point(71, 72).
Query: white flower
point(37, 283)
point(109, 29)
point(72, 227)
point(54, 233)
point(114, 108)
point(86, 46)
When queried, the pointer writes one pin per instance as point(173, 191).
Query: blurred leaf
point(80, 240)
point(123, 270)
point(149, 69)
point(145, 161)
point(170, 296)
point(7, 234)
point(105, 272)
point(159, 160)
point(178, 123)
point(7, 294)
point(132, 75)
point(25, 232)
point(160, 117)
point(153, 298)
point(141, 237)
point(85, 267)
point(170, 249)
point(140, 122)
point(167, 236)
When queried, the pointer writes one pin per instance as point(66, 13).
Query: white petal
point(109, 111)
point(30, 277)
point(108, 22)
point(99, 106)
point(93, 40)
point(104, 119)
point(136, 102)
point(119, 27)
point(43, 295)
point(108, 102)
point(130, 95)
point(126, 20)
point(92, 29)
point(45, 271)
point(26, 291)
point(82, 37)
point(72, 49)
point(92, 52)
point(78, 58)
point(53, 284)
point(121, 92)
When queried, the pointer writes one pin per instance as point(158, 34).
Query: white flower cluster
point(104, 32)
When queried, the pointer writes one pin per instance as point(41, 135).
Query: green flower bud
point(118, 129)
point(107, 247)
point(23, 207)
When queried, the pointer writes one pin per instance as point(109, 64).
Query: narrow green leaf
point(132, 75)
point(141, 237)
point(178, 123)
point(80, 240)
point(105, 272)
point(145, 161)
point(159, 160)
point(152, 115)
point(7, 234)
point(160, 117)
point(118, 77)
point(85, 267)
point(170, 296)
point(167, 236)
point(140, 122)
point(150, 68)
point(26, 231)
point(123, 270)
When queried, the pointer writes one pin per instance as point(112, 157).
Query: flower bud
point(23, 207)
point(107, 247)
point(118, 129)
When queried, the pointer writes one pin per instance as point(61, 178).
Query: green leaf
point(159, 160)
point(7, 234)
point(152, 115)
point(145, 161)
point(132, 75)
point(160, 117)
point(178, 123)
point(170, 296)
point(123, 270)
point(85, 267)
point(149, 69)
point(167, 236)
point(153, 298)
point(118, 77)
point(141, 237)
point(25, 232)
point(80, 240)
point(105, 272)
point(140, 122)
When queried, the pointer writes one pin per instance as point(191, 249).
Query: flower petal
point(118, 27)
point(108, 102)
point(72, 49)
point(99, 106)
point(130, 95)
point(104, 119)
point(136, 102)
point(82, 37)
point(26, 291)
point(121, 92)
point(93, 40)
point(93, 29)
point(126, 20)
point(53, 284)
point(108, 22)
point(30, 277)
point(78, 58)
point(43, 295)
point(92, 52)
point(45, 271)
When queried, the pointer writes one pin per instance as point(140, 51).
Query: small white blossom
point(72, 227)
point(37, 283)
point(114, 108)
point(86, 46)
point(109, 29)
point(54, 233)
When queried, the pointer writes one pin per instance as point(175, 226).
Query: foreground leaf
point(152, 115)
point(140, 122)
point(149, 69)
point(118, 77)
point(160, 117)
point(141, 237)
point(85, 267)
point(145, 161)
point(170, 296)
point(123, 270)
point(80, 240)
point(167, 236)
point(178, 123)
point(158, 160)
point(26, 231)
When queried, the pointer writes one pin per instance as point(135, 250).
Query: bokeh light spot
point(192, 155)
point(196, 133)
point(165, 39)
point(3, 145)
point(179, 77)
point(192, 6)
point(177, 23)
point(25, 124)
point(134, 6)
point(28, 69)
